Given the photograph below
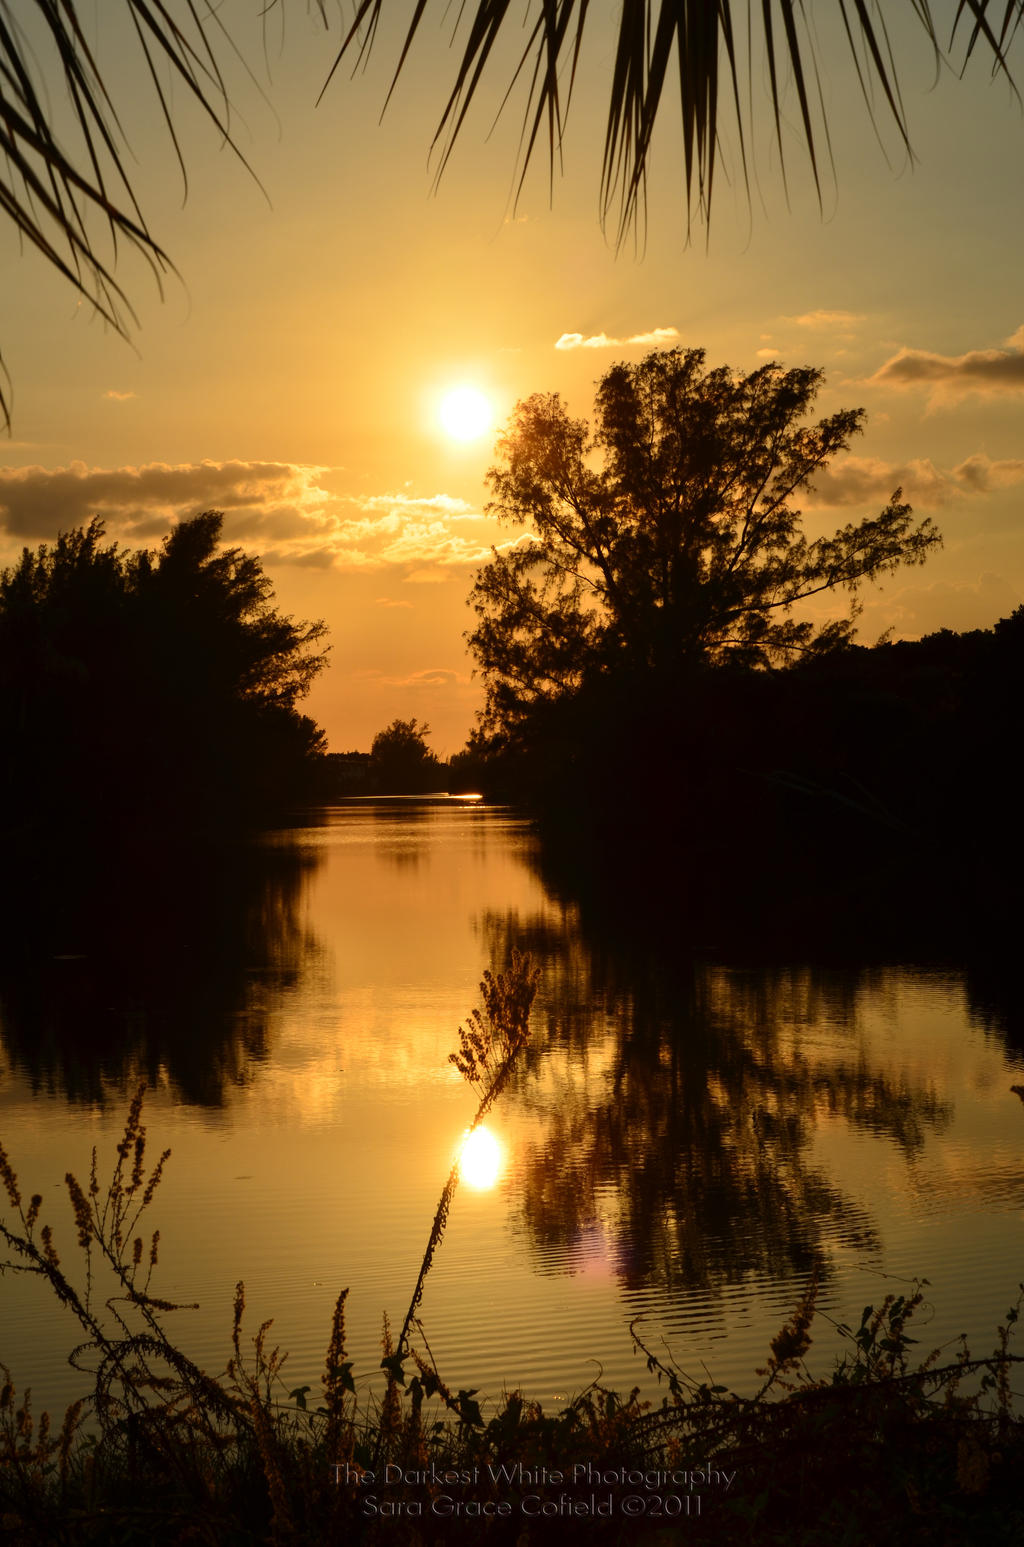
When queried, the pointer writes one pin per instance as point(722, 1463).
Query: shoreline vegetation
point(149, 694)
point(890, 765)
point(861, 802)
point(896, 1443)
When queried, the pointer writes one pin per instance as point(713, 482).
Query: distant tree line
point(148, 688)
point(869, 794)
point(399, 763)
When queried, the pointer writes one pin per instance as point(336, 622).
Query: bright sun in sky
point(466, 413)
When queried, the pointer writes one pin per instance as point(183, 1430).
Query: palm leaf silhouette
point(701, 36)
point(53, 187)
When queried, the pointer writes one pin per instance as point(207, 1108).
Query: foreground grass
point(884, 1448)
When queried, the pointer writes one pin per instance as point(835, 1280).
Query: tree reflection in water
point(677, 1101)
point(164, 966)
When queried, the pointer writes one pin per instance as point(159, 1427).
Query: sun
point(480, 1159)
point(466, 413)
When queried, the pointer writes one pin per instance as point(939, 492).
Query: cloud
point(981, 475)
point(288, 514)
point(118, 397)
point(291, 514)
point(446, 504)
point(423, 537)
point(387, 601)
point(432, 678)
point(657, 336)
point(309, 558)
point(827, 319)
point(859, 480)
point(987, 371)
point(37, 502)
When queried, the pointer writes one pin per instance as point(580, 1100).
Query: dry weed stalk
point(159, 1415)
point(488, 1048)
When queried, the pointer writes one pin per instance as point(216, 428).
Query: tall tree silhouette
point(684, 548)
point(403, 764)
point(158, 683)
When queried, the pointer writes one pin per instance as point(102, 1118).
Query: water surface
point(687, 1136)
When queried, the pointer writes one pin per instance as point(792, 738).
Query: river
point(687, 1136)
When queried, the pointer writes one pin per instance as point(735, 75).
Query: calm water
point(685, 1138)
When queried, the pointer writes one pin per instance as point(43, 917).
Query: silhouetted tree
point(212, 613)
point(684, 548)
point(162, 683)
point(403, 764)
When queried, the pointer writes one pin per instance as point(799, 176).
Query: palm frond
point(711, 69)
point(54, 186)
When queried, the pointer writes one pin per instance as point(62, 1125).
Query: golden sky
point(291, 374)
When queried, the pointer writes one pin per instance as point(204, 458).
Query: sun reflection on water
point(480, 1159)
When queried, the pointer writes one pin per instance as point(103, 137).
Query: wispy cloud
point(118, 397)
point(822, 319)
point(433, 677)
point(656, 337)
point(988, 371)
point(288, 513)
point(441, 504)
